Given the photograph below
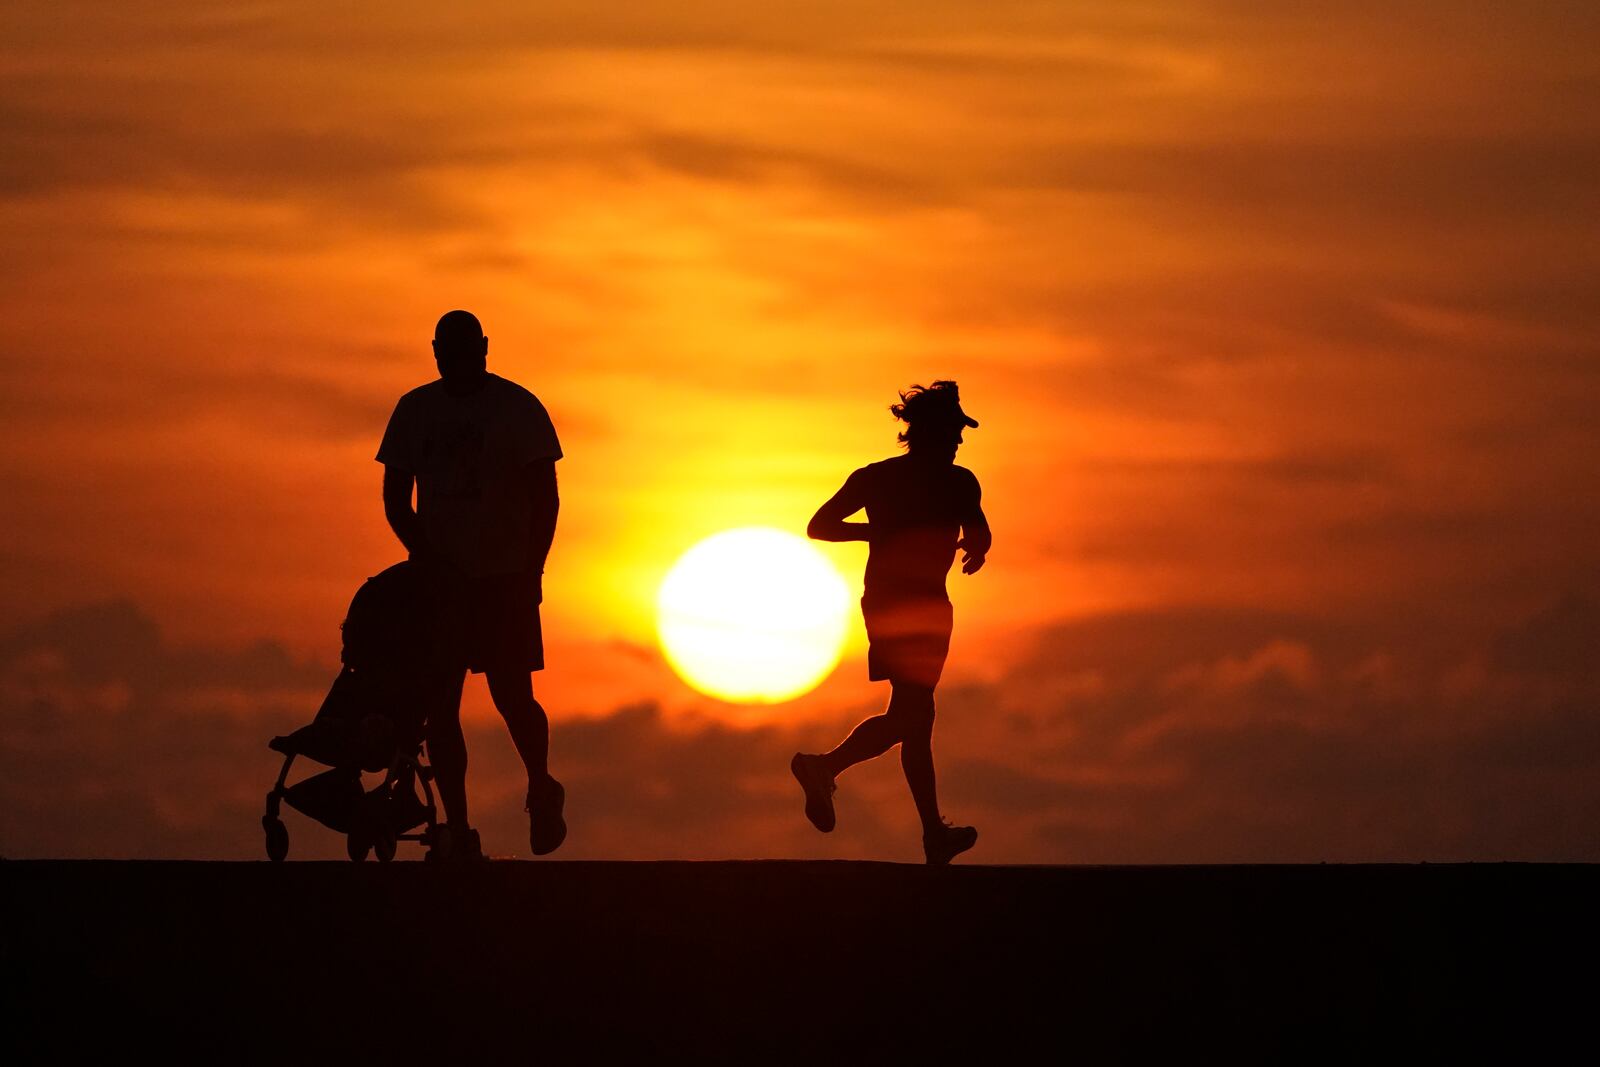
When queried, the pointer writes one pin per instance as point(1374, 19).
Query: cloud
point(113, 743)
point(1243, 737)
point(278, 402)
point(1254, 313)
point(1286, 470)
point(1559, 642)
point(1195, 736)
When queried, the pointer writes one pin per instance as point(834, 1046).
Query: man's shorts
point(907, 639)
point(500, 624)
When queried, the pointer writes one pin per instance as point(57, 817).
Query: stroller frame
point(374, 830)
point(397, 655)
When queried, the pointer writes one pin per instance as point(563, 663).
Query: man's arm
point(975, 535)
point(541, 478)
point(828, 523)
point(397, 509)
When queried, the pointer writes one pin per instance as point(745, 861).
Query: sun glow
point(752, 616)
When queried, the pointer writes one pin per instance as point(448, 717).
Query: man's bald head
point(460, 349)
point(457, 326)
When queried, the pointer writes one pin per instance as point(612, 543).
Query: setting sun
point(753, 616)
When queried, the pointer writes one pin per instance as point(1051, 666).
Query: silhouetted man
point(920, 507)
point(482, 453)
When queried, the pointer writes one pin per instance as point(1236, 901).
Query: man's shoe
point(942, 845)
point(546, 826)
point(818, 786)
point(453, 844)
point(466, 847)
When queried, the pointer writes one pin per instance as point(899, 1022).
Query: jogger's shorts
point(907, 639)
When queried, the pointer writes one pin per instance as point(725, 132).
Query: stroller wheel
point(356, 846)
point(277, 838)
point(376, 818)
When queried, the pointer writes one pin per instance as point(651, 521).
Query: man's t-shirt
point(470, 456)
point(916, 510)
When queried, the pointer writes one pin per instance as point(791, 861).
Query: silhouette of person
point(920, 508)
point(481, 452)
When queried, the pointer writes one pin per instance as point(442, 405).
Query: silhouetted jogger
point(481, 452)
point(920, 508)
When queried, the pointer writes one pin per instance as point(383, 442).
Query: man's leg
point(530, 732)
point(447, 751)
point(512, 692)
point(911, 708)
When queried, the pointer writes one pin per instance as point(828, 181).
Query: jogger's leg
point(871, 738)
point(912, 709)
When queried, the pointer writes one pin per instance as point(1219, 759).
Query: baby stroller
point(395, 667)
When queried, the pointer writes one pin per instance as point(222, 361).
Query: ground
point(783, 961)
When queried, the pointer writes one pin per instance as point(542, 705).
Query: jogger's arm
point(828, 523)
point(975, 535)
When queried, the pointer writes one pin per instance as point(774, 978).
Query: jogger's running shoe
point(818, 786)
point(546, 827)
point(942, 845)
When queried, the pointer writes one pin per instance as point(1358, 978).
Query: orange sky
point(1282, 316)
